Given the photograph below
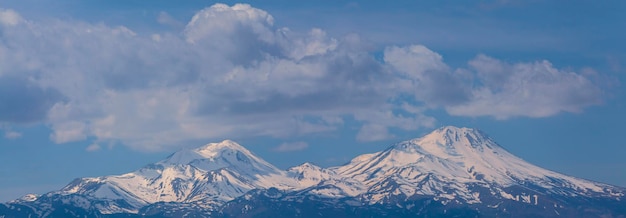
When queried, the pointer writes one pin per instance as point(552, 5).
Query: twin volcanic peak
point(452, 166)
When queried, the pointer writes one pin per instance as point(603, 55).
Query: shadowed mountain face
point(449, 172)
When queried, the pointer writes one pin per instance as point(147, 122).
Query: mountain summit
point(449, 172)
point(207, 176)
point(455, 164)
point(226, 154)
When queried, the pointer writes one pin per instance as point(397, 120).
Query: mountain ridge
point(456, 168)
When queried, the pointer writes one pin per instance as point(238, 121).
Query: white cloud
point(69, 132)
point(166, 19)
point(534, 89)
point(314, 43)
point(232, 73)
point(93, 147)
point(293, 146)
point(414, 60)
point(9, 17)
point(216, 24)
point(492, 87)
point(432, 81)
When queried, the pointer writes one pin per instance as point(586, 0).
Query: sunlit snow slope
point(452, 166)
point(209, 175)
point(450, 161)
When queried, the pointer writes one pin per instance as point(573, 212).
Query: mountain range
point(451, 172)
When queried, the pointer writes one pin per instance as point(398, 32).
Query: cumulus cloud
point(293, 146)
point(432, 81)
point(491, 87)
point(534, 89)
point(231, 72)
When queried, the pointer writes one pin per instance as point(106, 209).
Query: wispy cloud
point(166, 19)
point(292, 146)
point(12, 135)
point(93, 147)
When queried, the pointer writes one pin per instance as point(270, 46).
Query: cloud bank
point(231, 72)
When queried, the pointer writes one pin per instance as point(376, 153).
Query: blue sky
point(91, 88)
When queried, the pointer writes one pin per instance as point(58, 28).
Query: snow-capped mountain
point(449, 172)
point(450, 161)
point(325, 182)
point(207, 176)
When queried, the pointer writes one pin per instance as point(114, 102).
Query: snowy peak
point(448, 141)
point(28, 198)
point(451, 165)
point(225, 154)
point(324, 182)
point(215, 149)
point(452, 159)
point(305, 167)
point(208, 151)
point(452, 134)
point(309, 174)
point(209, 175)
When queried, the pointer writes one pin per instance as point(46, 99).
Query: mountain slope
point(449, 161)
point(449, 172)
point(208, 176)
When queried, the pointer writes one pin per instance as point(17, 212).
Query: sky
point(101, 87)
